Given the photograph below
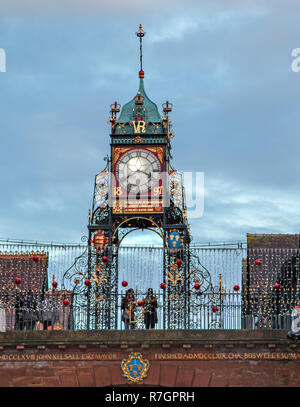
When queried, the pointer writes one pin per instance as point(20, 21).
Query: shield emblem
point(99, 240)
point(174, 240)
point(135, 368)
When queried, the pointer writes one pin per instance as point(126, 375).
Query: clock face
point(138, 171)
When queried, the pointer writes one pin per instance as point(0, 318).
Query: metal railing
point(225, 312)
point(268, 280)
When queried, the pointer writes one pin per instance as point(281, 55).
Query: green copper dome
point(148, 110)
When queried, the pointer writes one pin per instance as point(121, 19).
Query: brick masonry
point(213, 358)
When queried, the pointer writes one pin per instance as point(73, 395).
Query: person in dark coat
point(19, 310)
point(150, 306)
point(26, 313)
point(49, 314)
point(128, 307)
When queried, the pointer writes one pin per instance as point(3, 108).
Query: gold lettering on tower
point(139, 126)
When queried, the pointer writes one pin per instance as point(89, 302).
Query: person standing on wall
point(128, 307)
point(150, 306)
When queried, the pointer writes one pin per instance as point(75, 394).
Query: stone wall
point(176, 358)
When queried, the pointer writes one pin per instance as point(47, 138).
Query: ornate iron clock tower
point(138, 189)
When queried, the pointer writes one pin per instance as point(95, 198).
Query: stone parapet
point(216, 358)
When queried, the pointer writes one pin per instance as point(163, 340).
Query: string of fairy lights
point(262, 286)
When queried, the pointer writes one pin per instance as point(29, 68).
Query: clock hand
point(136, 173)
point(129, 186)
point(144, 172)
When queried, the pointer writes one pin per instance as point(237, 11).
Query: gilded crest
point(135, 368)
point(174, 240)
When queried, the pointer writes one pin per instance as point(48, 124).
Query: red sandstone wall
point(212, 358)
point(171, 373)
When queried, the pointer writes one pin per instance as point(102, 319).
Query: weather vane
point(140, 34)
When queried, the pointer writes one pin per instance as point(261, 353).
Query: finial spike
point(140, 34)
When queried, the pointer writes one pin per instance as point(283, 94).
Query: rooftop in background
point(29, 268)
point(273, 240)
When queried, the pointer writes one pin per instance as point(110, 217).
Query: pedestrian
point(128, 307)
point(49, 312)
point(150, 306)
point(26, 313)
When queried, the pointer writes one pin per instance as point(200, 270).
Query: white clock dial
point(138, 171)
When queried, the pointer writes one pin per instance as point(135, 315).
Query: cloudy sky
point(226, 67)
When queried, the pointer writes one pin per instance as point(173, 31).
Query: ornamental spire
point(140, 34)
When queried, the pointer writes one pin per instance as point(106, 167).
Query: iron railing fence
point(223, 311)
point(140, 266)
point(267, 280)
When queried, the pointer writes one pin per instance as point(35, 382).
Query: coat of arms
point(174, 240)
point(135, 368)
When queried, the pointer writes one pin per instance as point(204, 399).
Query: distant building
point(270, 278)
point(23, 279)
point(25, 301)
point(30, 268)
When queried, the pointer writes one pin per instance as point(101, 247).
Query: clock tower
point(138, 189)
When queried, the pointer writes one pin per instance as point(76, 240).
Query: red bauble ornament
point(163, 286)
point(140, 303)
point(66, 303)
point(179, 262)
point(277, 286)
point(18, 281)
point(258, 262)
point(104, 259)
point(35, 258)
point(236, 288)
point(87, 283)
point(197, 286)
point(215, 308)
point(54, 284)
point(124, 283)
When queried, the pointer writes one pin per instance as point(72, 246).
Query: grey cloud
point(225, 68)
